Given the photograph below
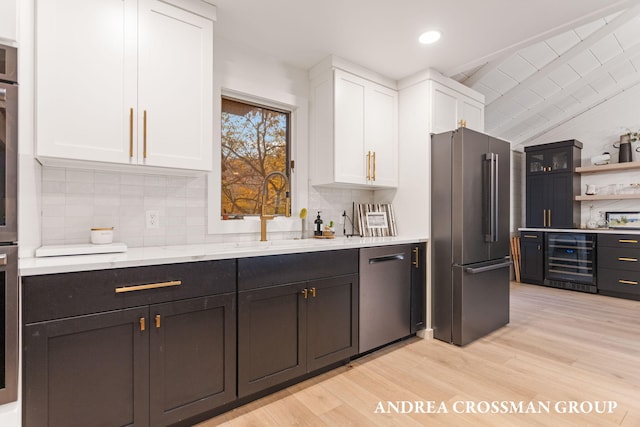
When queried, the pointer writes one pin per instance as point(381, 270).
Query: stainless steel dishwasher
point(385, 295)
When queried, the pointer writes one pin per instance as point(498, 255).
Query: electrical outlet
point(153, 219)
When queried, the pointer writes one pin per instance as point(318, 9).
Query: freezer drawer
point(480, 300)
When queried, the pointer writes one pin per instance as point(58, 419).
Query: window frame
point(289, 142)
point(298, 149)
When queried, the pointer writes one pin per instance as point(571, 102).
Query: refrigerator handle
point(496, 204)
point(477, 270)
point(492, 235)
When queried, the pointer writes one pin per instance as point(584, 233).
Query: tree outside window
point(255, 142)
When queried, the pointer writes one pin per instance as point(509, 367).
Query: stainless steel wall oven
point(571, 261)
point(8, 224)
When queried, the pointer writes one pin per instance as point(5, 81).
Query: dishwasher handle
point(477, 270)
point(385, 258)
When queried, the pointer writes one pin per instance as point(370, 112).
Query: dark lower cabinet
point(532, 257)
point(297, 313)
point(418, 287)
point(287, 331)
point(87, 371)
point(619, 265)
point(272, 339)
point(332, 320)
point(192, 358)
point(151, 365)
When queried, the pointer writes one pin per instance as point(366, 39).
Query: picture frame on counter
point(623, 220)
point(375, 219)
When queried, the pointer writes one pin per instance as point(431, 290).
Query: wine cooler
point(571, 261)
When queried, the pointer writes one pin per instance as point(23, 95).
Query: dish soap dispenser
point(318, 223)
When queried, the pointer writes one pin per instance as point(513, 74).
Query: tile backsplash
point(74, 201)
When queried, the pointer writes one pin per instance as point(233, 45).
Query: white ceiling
point(537, 62)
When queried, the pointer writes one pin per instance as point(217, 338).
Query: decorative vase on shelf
point(625, 154)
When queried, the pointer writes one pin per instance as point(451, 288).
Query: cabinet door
point(85, 78)
point(418, 287)
point(175, 110)
point(532, 259)
point(350, 158)
point(536, 201)
point(560, 200)
point(444, 109)
point(9, 20)
point(87, 371)
point(381, 133)
point(332, 333)
point(472, 112)
point(192, 357)
point(272, 339)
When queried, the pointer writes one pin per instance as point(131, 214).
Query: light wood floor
point(560, 346)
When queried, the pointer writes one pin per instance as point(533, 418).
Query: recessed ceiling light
point(430, 37)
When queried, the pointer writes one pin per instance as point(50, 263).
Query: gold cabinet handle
point(374, 165)
point(544, 217)
point(313, 292)
point(549, 221)
point(305, 293)
point(157, 321)
point(131, 132)
point(628, 282)
point(416, 261)
point(628, 259)
point(142, 325)
point(148, 286)
point(529, 236)
point(144, 134)
point(368, 165)
point(627, 241)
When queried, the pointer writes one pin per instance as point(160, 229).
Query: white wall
point(598, 129)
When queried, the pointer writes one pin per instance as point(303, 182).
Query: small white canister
point(102, 236)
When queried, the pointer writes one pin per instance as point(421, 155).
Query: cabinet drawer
point(616, 258)
point(619, 240)
point(55, 296)
point(531, 236)
point(260, 272)
point(627, 282)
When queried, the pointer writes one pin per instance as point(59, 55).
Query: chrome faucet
point(263, 216)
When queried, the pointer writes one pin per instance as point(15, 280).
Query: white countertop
point(136, 257)
point(583, 230)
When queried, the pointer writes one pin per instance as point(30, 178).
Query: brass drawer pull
point(148, 286)
point(628, 282)
point(628, 259)
point(529, 236)
point(416, 261)
point(157, 321)
point(305, 293)
point(142, 324)
point(627, 241)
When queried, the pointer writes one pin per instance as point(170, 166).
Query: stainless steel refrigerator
point(470, 193)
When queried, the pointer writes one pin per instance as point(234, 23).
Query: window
point(255, 142)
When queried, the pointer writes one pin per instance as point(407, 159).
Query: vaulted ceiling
point(543, 85)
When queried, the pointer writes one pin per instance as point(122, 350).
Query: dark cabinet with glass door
point(552, 185)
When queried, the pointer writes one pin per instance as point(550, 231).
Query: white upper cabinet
point(124, 82)
point(8, 21)
point(354, 131)
point(452, 108)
